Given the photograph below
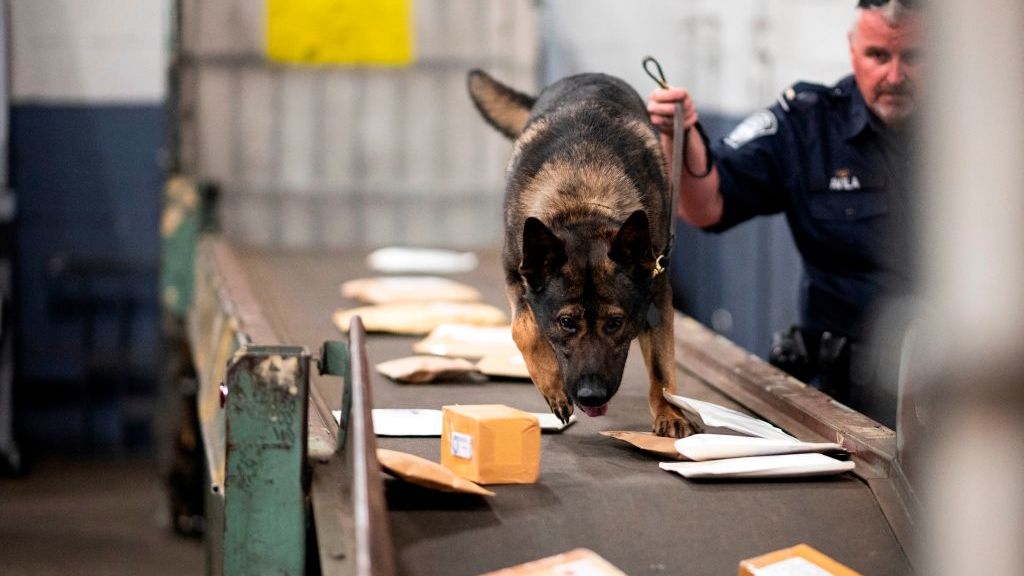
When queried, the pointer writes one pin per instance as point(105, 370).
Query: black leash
point(678, 159)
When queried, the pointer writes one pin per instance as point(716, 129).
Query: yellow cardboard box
point(490, 443)
point(799, 559)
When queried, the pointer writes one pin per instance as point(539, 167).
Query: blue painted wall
point(88, 182)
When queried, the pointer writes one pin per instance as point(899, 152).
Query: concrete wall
point(734, 55)
point(89, 51)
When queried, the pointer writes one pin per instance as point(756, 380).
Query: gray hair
point(893, 11)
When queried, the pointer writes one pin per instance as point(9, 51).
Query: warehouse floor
point(97, 516)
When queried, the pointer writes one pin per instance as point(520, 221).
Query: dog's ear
point(504, 108)
point(543, 253)
point(631, 247)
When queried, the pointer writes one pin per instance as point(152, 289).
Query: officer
point(836, 161)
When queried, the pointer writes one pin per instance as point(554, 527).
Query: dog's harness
point(678, 161)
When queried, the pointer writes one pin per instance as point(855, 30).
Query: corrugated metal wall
point(348, 156)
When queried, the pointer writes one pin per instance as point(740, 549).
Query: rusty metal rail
point(273, 454)
point(347, 492)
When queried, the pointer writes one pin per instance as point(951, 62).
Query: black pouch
point(789, 354)
point(834, 366)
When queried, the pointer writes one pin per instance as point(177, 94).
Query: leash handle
point(660, 76)
point(679, 144)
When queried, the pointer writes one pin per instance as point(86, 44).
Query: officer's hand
point(661, 108)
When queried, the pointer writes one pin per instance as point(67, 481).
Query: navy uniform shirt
point(822, 158)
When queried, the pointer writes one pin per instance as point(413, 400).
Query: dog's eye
point(568, 323)
point(613, 324)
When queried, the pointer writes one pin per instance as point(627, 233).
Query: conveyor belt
point(593, 492)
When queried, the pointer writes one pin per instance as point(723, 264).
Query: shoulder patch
point(758, 124)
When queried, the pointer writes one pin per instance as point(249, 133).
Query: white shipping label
point(792, 567)
point(462, 445)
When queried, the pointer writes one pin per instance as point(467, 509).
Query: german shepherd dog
point(586, 223)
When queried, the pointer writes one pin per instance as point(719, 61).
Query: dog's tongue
point(595, 411)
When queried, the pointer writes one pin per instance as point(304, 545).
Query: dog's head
point(590, 295)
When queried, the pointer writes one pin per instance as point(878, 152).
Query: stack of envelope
point(806, 462)
point(736, 445)
point(492, 347)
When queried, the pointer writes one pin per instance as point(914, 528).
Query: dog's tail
point(503, 107)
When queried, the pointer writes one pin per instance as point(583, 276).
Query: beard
point(894, 104)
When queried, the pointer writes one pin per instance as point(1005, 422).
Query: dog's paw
point(672, 424)
point(560, 406)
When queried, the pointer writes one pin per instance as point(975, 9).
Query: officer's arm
point(700, 202)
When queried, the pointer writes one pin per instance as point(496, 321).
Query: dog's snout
point(592, 393)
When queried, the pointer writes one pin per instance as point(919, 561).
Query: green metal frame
point(266, 411)
point(253, 405)
point(336, 360)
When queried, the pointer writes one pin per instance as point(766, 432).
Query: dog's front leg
point(540, 360)
point(658, 346)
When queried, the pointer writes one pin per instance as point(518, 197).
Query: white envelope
point(716, 446)
point(406, 422)
point(425, 422)
point(402, 421)
point(398, 259)
point(550, 423)
point(712, 416)
point(780, 466)
point(386, 289)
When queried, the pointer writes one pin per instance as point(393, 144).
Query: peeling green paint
point(264, 497)
point(179, 231)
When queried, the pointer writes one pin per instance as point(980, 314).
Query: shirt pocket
point(848, 206)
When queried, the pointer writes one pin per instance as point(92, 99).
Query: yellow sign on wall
point(355, 32)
